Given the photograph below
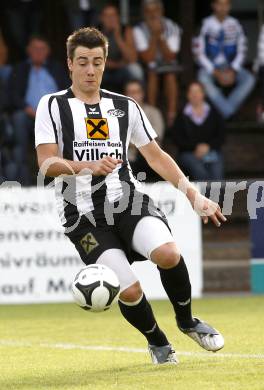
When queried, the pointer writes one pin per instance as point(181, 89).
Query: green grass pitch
point(50, 347)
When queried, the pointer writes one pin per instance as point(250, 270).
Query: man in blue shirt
point(29, 81)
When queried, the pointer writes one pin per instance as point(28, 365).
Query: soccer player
point(82, 136)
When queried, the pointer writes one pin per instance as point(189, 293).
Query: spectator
point(198, 133)
point(121, 64)
point(23, 19)
point(8, 170)
point(221, 53)
point(81, 13)
point(29, 81)
point(260, 69)
point(158, 41)
point(135, 90)
point(5, 67)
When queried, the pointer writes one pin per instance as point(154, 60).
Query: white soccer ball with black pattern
point(96, 288)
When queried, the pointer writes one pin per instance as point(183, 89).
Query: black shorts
point(91, 241)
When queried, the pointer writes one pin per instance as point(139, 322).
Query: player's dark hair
point(88, 37)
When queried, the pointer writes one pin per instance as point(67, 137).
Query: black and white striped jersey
point(86, 132)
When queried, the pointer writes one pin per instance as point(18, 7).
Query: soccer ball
point(96, 288)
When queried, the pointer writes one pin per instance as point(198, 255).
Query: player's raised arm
point(167, 168)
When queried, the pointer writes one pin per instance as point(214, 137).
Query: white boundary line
point(65, 346)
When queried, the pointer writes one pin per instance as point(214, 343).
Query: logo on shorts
point(88, 242)
point(97, 128)
point(116, 113)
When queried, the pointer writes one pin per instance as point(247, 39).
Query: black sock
point(141, 317)
point(177, 285)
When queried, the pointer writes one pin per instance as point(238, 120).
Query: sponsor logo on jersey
point(90, 150)
point(97, 128)
point(88, 242)
point(116, 113)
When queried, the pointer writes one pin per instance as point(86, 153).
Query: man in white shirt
point(157, 41)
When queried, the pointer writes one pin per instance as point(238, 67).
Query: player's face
point(222, 8)
point(87, 68)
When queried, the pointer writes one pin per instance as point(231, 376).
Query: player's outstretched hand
point(206, 208)
point(104, 166)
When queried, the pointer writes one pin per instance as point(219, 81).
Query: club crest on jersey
point(116, 113)
point(97, 128)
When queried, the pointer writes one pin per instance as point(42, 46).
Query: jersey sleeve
point(141, 130)
point(47, 121)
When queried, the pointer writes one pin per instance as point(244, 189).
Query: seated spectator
point(158, 41)
point(221, 53)
point(81, 13)
point(121, 64)
point(29, 81)
point(8, 169)
point(135, 90)
point(5, 67)
point(198, 133)
point(23, 19)
point(260, 69)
